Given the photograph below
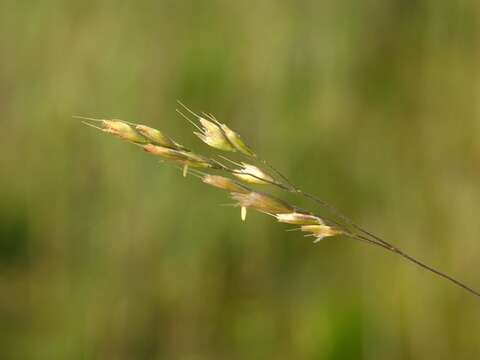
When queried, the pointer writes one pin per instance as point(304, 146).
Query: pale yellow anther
point(243, 213)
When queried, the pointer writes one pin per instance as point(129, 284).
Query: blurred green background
point(106, 254)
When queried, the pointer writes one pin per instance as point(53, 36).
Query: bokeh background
point(107, 254)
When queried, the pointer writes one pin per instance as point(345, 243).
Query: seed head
point(299, 219)
point(224, 183)
point(213, 136)
point(123, 130)
point(321, 231)
point(259, 176)
point(262, 202)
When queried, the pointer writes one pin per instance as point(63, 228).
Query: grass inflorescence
point(237, 177)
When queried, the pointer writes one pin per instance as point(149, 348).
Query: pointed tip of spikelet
point(321, 231)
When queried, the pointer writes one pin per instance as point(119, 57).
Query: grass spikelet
point(156, 136)
point(209, 131)
point(118, 128)
point(224, 183)
point(165, 152)
point(213, 136)
point(237, 141)
point(233, 137)
point(299, 219)
point(253, 175)
point(262, 202)
point(179, 156)
point(321, 231)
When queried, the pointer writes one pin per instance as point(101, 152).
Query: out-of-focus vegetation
point(106, 254)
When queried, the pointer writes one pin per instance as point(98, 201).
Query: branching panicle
point(220, 137)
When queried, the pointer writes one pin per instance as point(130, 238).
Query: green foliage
point(371, 105)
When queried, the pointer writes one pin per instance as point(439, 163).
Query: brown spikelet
point(262, 202)
point(224, 183)
point(180, 156)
